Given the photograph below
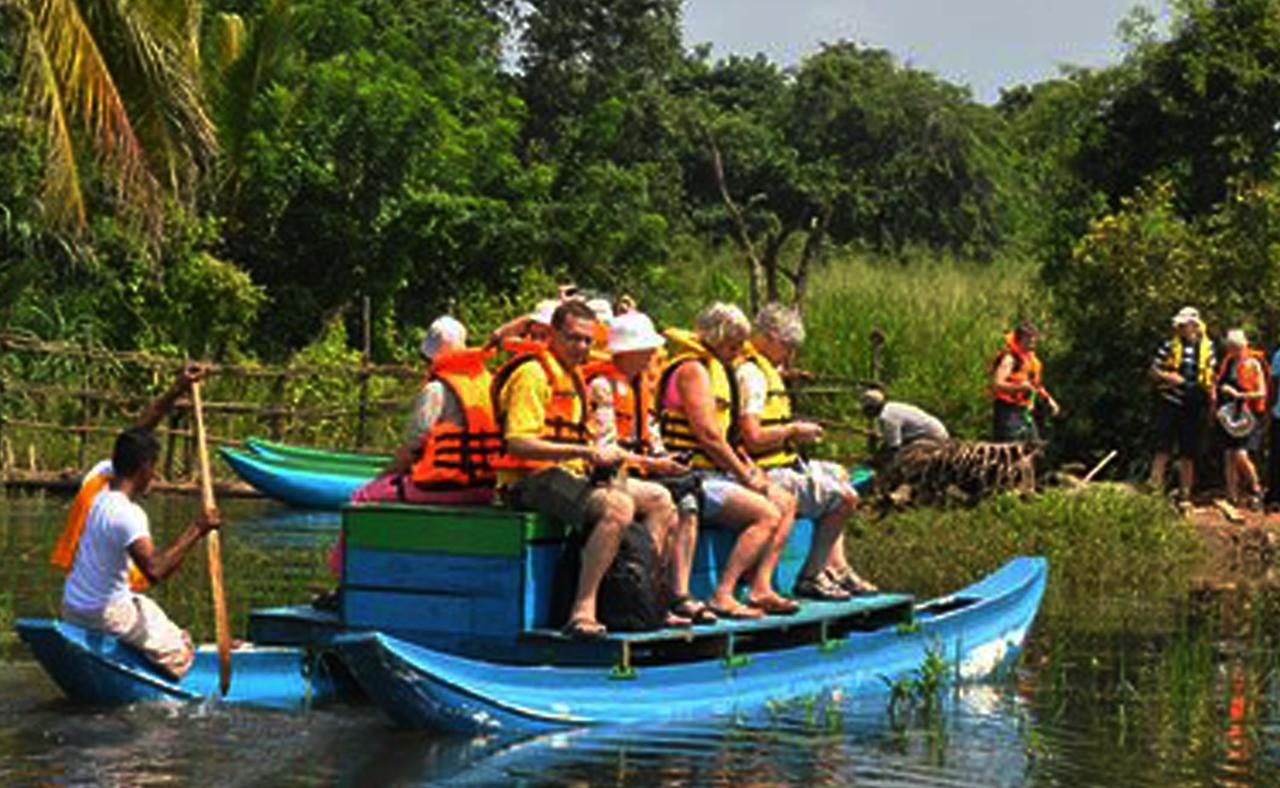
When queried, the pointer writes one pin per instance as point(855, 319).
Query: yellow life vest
point(1204, 371)
point(673, 424)
point(777, 409)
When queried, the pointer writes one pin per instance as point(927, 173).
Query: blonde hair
point(782, 323)
point(720, 322)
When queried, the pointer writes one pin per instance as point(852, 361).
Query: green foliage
point(1133, 270)
point(1101, 543)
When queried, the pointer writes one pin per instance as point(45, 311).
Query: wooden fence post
point(877, 342)
point(364, 377)
point(4, 448)
point(84, 397)
point(277, 407)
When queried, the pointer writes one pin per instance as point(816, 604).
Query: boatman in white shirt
point(97, 593)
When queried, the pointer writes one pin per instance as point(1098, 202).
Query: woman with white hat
point(1242, 392)
point(1182, 371)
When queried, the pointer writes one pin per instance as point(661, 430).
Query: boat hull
point(96, 669)
point(422, 688)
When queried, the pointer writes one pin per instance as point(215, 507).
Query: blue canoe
point(302, 483)
point(97, 670)
point(977, 630)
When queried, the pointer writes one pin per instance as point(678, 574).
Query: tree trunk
point(773, 265)
point(813, 247)
point(755, 269)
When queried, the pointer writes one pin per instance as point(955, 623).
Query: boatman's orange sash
point(64, 551)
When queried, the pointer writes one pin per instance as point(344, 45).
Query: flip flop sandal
point(776, 606)
point(584, 629)
point(736, 613)
point(692, 609)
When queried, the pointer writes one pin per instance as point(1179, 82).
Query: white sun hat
point(1235, 338)
point(633, 331)
point(602, 308)
point(543, 312)
point(444, 331)
point(1187, 314)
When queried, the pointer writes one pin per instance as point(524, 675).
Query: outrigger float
point(447, 619)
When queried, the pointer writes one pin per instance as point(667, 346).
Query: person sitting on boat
point(452, 438)
point(698, 399)
point(899, 424)
point(97, 594)
point(620, 396)
point(770, 435)
point(1242, 395)
point(98, 477)
point(526, 332)
point(1016, 385)
point(541, 409)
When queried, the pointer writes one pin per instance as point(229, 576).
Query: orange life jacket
point(458, 456)
point(632, 401)
point(565, 418)
point(64, 550)
point(1026, 368)
point(1250, 378)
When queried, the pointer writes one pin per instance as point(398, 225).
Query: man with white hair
point(771, 436)
point(1183, 373)
point(698, 400)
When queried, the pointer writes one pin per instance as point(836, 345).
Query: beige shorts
point(139, 622)
point(820, 487)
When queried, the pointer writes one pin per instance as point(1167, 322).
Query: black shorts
point(1012, 423)
point(1178, 425)
point(557, 493)
point(1250, 442)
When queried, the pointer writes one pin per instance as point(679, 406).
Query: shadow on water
point(1116, 688)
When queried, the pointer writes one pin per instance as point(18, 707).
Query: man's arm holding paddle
point(158, 566)
point(181, 387)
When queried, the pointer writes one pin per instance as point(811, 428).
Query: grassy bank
point(1103, 544)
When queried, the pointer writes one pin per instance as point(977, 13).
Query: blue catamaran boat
point(447, 621)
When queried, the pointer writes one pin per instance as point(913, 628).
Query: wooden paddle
point(214, 542)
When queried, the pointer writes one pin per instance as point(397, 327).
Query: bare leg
point(683, 543)
point(654, 507)
point(616, 513)
point(1246, 473)
point(1158, 466)
point(1186, 477)
point(758, 518)
point(1231, 469)
point(762, 580)
point(827, 548)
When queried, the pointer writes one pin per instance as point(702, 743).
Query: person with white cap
point(1183, 373)
point(620, 396)
point(1242, 390)
point(450, 438)
point(899, 424)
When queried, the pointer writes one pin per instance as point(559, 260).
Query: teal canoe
point(307, 483)
point(322, 479)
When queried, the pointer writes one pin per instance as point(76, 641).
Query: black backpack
point(631, 596)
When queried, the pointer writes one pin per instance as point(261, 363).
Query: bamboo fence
point(62, 403)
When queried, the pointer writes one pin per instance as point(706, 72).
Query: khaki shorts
point(820, 487)
point(140, 623)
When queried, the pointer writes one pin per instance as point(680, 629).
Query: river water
point(1158, 692)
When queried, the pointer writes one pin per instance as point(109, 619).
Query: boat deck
point(873, 611)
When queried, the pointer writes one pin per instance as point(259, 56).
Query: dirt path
point(1243, 551)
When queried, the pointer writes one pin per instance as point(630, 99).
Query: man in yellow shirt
point(548, 456)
